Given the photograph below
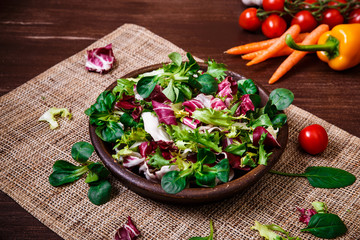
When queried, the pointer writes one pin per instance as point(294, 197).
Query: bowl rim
point(146, 188)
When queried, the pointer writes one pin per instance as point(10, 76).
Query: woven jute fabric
point(28, 149)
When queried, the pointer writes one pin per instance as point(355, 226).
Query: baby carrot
point(283, 52)
point(256, 46)
point(294, 31)
point(296, 56)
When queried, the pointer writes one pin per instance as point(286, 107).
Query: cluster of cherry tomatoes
point(274, 16)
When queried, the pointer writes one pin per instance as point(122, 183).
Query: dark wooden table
point(35, 35)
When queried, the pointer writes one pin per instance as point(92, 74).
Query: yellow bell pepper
point(340, 47)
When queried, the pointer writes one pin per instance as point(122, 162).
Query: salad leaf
point(268, 232)
point(146, 85)
point(157, 160)
point(164, 112)
point(81, 151)
point(110, 132)
point(176, 58)
point(279, 120)
point(269, 140)
point(213, 117)
point(327, 177)
point(152, 126)
point(173, 182)
point(65, 172)
point(205, 156)
point(237, 149)
point(247, 86)
point(326, 225)
point(217, 70)
point(208, 84)
point(124, 86)
point(222, 170)
point(127, 120)
point(49, 116)
point(99, 192)
point(96, 173)
point(263, 155)
point(281, 98)
point(263, 121)
point(324, 177)
point(210, 237)
point(127, 232)
point(100, 59)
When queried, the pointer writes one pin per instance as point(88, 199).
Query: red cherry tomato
point(273, 5)
point(273, 26)
point(332, 17)
point(354, 16)
point(313, 139)
point(248, 20)
point(305, 20)
point(308, 2)
point(336, 3)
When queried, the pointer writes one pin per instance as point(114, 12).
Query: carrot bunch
point(258, 52)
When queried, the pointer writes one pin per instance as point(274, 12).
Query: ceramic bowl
point(196, 195)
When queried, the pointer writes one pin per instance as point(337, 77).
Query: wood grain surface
point(35, 35)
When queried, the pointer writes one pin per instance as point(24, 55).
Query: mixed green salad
point(183, 126)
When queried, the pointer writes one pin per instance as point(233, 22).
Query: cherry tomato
point(354, 16)
point(305, 20)
point(248, 20)
point(273, 26)
point(313, 139)
point(332, 17)
point(307, 2)
point(273, 5)
point(336, 3)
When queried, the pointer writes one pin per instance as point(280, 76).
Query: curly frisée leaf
point(49, 116)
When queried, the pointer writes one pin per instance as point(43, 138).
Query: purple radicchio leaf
point(218, 104)
point(164, 112)
point(245, 105)
point(147, 148)
point(306, 214)
point(100, 59)
point(158, 95)
point(127, 232)
point(192, 105)
point(137, 113)
point(204, 99)
point(133, 161)
point(269, 140)
point(190, 122)
point(226, 89)
point(127, 102)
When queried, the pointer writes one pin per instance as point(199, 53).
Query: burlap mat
point(29, 149)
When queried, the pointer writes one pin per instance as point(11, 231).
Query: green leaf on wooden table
point(325, 225)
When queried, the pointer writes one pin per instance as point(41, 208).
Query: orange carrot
point(296, 56)
point(294, 31)
point(256, 46)
point(283, 52)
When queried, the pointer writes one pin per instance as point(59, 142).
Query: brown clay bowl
point(145, 188)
